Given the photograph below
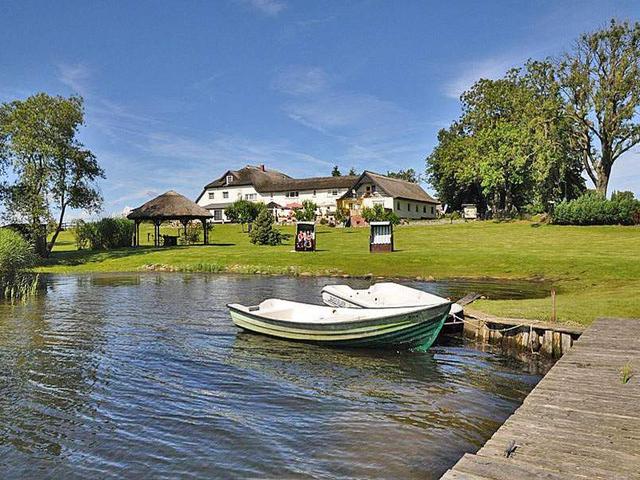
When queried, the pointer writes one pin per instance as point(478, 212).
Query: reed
point(16, 260)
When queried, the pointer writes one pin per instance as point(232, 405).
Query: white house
point(408, 200)
point(276, 189)
point(283, 193)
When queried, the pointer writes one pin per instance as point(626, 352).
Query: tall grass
point(16, 260)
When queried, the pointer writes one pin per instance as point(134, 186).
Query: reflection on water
point(111, 376)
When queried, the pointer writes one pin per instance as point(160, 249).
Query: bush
point(244, 211)
point(105, 234)
point(307, 213)
point(380, 214)
point(593, 208)
point(16, 258)
point(263, 232)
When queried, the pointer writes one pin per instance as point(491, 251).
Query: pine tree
point(263, 232)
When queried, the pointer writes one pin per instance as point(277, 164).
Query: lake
point(145, 376)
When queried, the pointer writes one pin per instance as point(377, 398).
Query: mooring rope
point(457, 320)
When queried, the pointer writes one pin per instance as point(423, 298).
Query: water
point(144, 376)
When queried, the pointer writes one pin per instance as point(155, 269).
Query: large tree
point(52, 170)
point(509, 147)
point(600, 80)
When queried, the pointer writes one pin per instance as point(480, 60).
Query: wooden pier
point(580, 422)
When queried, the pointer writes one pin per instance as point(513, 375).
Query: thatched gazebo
point(169, 206)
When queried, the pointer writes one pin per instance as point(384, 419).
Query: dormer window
point(229, 179)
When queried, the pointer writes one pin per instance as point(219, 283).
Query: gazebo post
point(157, 223)
point(205, 230)
point(185, 222)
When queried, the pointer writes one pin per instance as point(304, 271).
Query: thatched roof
point(394, 187)
point(169, 206)
point(269, 181)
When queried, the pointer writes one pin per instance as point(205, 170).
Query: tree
point(408, 175)
point(510, 147)
point(244, 212)
point(53, 171)
point(335, 172)
point(307, 213)
point(263, 232)
point(352, 171)
point(600, 81)
point(379, 214)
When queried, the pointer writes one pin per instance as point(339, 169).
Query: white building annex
point(283, 193)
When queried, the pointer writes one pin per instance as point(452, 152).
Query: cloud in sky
point(470, 72)
point(301, 80)
point(371, 130)
point(266, 7)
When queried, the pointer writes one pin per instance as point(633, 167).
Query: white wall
point(325, 198)
point(408, 209)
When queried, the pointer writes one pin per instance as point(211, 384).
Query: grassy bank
point(596, 269)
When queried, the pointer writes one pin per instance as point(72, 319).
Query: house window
point(314, 193)
point(432, 212)
point(373, 188)
point(368, 188)
point(408, 207)
point(229, 179)
point(292, 194)
point(217, 214)
point(398, 206)
point(250, 196)
point(225, 194)
point(416, 208)
point(334, 192)
point(212, 195)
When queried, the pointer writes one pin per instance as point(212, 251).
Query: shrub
point(380, 214)
point(244, 211)
point(16, 258)
point(104, 234)
point(307, 213)
point(263, 232)
point(593, 208)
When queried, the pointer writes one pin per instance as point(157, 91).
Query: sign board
point(381, 239)
point(305, 237)
point(469, 211)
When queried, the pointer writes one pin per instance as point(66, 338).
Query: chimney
point(262, 167)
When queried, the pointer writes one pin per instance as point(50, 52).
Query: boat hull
point(419, 328)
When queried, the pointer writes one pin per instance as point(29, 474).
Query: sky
point(176, 93)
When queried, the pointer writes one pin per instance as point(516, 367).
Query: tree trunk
point(52, 243)
point(603, 173)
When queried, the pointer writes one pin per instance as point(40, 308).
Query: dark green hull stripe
point(422, 334)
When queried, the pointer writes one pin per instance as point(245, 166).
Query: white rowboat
point(383, 295)
point(407, 327)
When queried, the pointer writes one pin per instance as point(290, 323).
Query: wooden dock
point(580, 422)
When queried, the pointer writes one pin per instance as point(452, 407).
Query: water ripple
point(144, 376)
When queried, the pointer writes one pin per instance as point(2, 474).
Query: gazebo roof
point(169, 206)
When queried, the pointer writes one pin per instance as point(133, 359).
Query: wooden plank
point(580, 421)
point(497, 468)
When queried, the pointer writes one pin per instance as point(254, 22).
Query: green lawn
point(596, 269)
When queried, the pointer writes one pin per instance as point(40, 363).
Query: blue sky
point(178, 92)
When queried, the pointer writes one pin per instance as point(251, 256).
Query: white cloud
point(266, 7)
point(301, 80)
point(470, 72)
point(75, 77)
